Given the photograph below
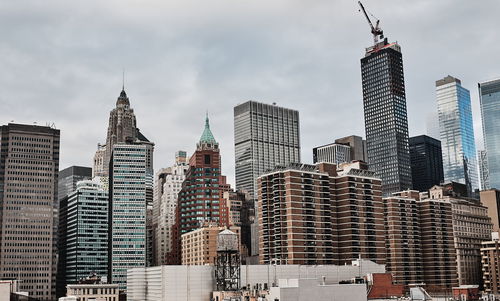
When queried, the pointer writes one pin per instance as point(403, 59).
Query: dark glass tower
point(386, 122)
point(426, 162)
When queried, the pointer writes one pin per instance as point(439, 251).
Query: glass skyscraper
point(386, 121)
point(457, 133)
point(489, 95)
point(426, 162)
point(83, 234)
point(128, 188)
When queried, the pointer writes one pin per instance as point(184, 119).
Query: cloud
point(62, 62)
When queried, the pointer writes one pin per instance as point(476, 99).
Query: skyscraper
point(426, 162)
point(457, 133)
point(128, 204)
point(484, 174)
point(200, 201)
point(122, 127)
point(125, 165)
point(83, 234)
point(264, 136)
point(489, 95)
point(68, 178)
point(386, 122)
point(318, 214)
point(168, 185)
point(29, 164)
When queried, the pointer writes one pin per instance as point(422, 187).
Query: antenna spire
point(123, 79)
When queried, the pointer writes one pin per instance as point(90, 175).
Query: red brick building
point(200, 201)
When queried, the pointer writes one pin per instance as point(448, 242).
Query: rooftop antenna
point(123, 79)
point(377, 32)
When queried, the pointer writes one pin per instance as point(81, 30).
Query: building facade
point(29, 164)
point(386, 121)
point(128, 206)
point(489, 96)
point(200, 200)
point(403, 245)
point(83, 234)
point(199, 247)
point(491, 200)
point(295, 216)
point(490, 252)
point(439, 258)
point(68, 178)
point(360, 213)
point(122, 127)
point(332, 153)
point(484, 173)
point(264, 136)
point(316, 214)
point(88, 292)
point(471, 226)
point(426, 162)
point(357, 145)
point(169, 183)
point(457, 133)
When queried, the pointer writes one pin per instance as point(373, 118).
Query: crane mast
point(375, 30)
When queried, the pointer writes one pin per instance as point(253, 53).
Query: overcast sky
point(61, 62)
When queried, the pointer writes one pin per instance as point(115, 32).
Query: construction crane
point(376, 30)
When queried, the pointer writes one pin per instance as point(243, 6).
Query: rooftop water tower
point(227, 262)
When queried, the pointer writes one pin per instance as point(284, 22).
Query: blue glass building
point(489, 95)
point(457, 133)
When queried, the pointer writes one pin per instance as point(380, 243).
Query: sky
point(61, 63)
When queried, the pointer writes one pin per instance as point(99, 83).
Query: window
point(207, 159)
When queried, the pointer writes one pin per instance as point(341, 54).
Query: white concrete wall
point(309, 289)
point(195, 283)
point(4, 291)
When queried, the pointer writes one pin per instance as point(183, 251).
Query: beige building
point(490, 254)
point(29, 164)
point(471, 226)
point(93, 292)
point(491, 200)
point(199, 247)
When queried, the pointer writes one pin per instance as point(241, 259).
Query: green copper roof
point(207, 136)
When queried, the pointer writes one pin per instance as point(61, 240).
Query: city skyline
point(168, 78)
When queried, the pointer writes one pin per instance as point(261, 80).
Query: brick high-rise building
point(490, 252)
point(29, 165)
point(438, 249)
point(404, 252)
point(471, 226)
point(360, 213)
point(318, 214)
point(296, 216)
point(200, 201)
